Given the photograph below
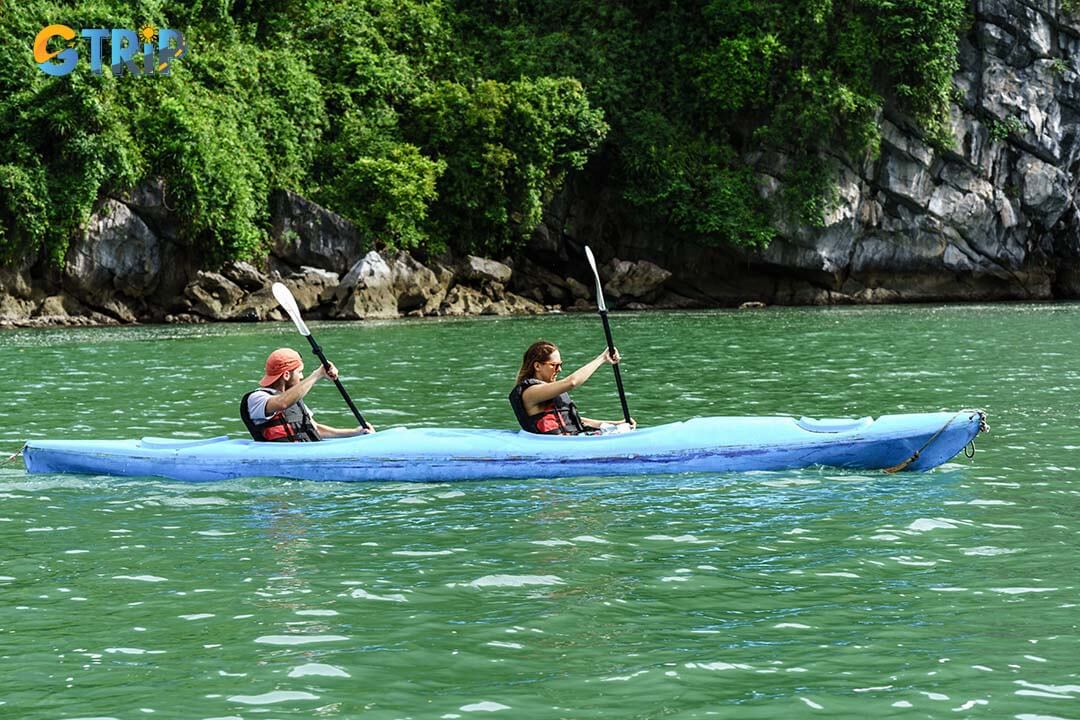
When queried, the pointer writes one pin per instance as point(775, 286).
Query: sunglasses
point(556, 365)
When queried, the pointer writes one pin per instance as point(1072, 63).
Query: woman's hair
point(538, 352)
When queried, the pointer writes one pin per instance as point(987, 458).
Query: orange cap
point(280, 362)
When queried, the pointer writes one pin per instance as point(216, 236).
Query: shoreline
point(81, 321)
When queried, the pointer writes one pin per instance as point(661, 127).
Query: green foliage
point(438, 124)
point(338, 101)
point(697, 182)
point(506, 147)
point(698, 93)
point(72, 142)
point(1000, 130)
point(380, 183)
point(22, 206)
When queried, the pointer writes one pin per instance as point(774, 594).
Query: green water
point(763, 595)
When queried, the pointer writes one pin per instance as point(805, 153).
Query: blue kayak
point(711, 444)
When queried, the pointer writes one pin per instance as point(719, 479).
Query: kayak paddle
point(288, 302)
point(607, 332)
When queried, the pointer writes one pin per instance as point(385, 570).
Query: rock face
point(483, 270)
point(117, 256)
point(628, 282)
point(993, 217)
point(304, 233)
point(376, 288)
point(129, 265)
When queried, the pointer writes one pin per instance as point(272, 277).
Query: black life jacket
point(293, 424)
point(559, 416)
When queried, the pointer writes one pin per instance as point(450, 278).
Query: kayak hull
point(911, 442)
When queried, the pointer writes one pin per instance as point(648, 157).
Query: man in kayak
point(275, 411)
point(542, 402)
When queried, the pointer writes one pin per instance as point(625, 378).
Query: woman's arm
point(591, 424)
point(534, 395)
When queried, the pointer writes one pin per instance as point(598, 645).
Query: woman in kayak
point(542, 402)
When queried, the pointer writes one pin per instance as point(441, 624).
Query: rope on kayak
point(913, 458)
point(983, 427)
point(14, 455)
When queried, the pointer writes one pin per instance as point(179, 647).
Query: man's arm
point(332, 432)
point(296, 393)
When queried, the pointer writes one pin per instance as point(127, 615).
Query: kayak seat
point(833, 425)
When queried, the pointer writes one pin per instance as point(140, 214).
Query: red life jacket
point(559, 416)
point(293, 424)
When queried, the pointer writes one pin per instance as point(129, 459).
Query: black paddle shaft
point(341, 388)
point(615, 367)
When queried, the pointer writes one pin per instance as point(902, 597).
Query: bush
point(506, 148)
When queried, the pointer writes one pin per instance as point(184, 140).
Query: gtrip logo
point(124, 46)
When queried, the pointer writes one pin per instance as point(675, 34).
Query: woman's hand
point(610, 358)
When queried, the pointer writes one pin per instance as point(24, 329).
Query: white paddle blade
point(596, 274)
point(287, 301)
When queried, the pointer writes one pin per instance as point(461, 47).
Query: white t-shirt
point(256, 405)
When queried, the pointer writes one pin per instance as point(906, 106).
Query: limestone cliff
point(992, 217)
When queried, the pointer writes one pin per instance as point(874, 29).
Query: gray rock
point(416, 286)
point(14, 308)
point(578, 289)
point(117, 253)
point(630, 281)
point(511, 304)
point(304, 233)
point(259, 305)
point(311, 287)
point(377, 288)
point(316, 276)
point(150, 201)
point(15, 281)
point(908, 180)
point(477, 270)
point(367, 290)
point(213, 295)
point(464, 300)
point(53, 306)
point(539, 283)
point(544, 240)
point(1044, 190)
point(905, 144)
point(245, 275)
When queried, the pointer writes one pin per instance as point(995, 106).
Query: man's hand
point(328, 371)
